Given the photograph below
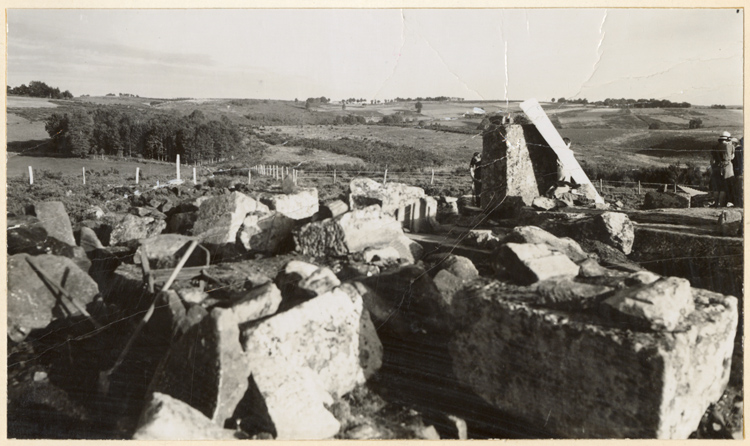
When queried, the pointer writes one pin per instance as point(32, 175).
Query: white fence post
point(137, 174)
point(177, 166)
point(31, 176)
point(334, 176)
point(84, 175)
point(194, 177)
point(432, 178)
point(385, 176)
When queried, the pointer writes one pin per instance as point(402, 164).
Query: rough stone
point(662, 304)
point(166, 418)
point(93, 213)
point(89, 240)
point(460, 266)
point(126, 228)
point(533, 234)
point(544, 203)
point(447, 283)
point(192, 295)
point(331, 335)
point(31, 303)
point(384, 254)
point(259, 302)
point(365, 192)
point(614, 229)
point(531, 262)
point(207, 367)
point(289, 401)
point(661, 200)
point(165, 251)
point(220, 217)
point(298, 206)
point(26, 235)
point(482, 239)
point(407, 248)
point(409, 301)
point(182, 223)
point(581, 377)
point(55, 220)
point(266, 232)
point(566, 292)
point(348, 233)
point(591, 268)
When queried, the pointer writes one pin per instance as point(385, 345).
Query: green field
point(601, 136)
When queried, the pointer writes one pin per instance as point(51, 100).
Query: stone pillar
point(516, 162)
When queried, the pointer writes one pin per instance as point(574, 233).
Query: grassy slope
point(600, 135)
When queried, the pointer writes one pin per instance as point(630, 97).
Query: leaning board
point(537, 115)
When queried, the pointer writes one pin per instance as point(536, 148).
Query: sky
point(692, 55)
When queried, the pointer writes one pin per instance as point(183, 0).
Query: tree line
point(38, 89)
point(159, 136)
point(627, 103)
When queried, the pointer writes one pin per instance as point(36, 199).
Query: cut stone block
point(531, 262)
point(578, 376)
point(167, 418)
point(207, 367)
point(661, 200)
point(55, 220)
point(31, 303)
point(331, 335)
point(127, 228)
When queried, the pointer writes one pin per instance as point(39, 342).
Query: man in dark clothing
point(475, 170)
point(737, 166)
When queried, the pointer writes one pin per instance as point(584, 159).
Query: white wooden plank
point(537, 115)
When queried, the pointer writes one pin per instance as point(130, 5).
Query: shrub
point(654, 126)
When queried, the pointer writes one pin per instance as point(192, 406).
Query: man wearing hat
point(722, 171)
point(475, 171)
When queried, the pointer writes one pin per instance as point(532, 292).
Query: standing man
point(475, 170)
point(737, 164)
point(722, 170)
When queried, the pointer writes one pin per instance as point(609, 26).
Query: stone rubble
point(544, 317)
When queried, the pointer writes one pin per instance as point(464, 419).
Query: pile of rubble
point(205, 314)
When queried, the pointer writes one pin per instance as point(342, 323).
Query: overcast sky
point(688, 55)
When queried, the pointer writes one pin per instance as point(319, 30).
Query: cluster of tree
point(628, 103)
point(161, 136)
point(37, 89)
point(395, 118)
point(719, 106)
point(349, 120)
point(314, 101)
point(695, 123)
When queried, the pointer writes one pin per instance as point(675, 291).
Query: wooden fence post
point(84, 175)
point(194, 176)
point(432, 178)
point(385, 175)
point(334, 176)
point(177, 166)
point(31, 176)
point(639, 187)
point(137, 174)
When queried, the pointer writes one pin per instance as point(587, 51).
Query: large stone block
point(533, 234)
point(661, 200)
point(579, 375)
point(207, 367)
point(55, 220)
point(121, 229)
point(391, 197)
point(662, 305)
point(32, 304)
point(167, 418)
point(351, 232)
point(298, 205)
point(220, 218)
point(516, 161)
point(166, 250)
point(266, 232)
point(331, 335)
point(531, 262)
